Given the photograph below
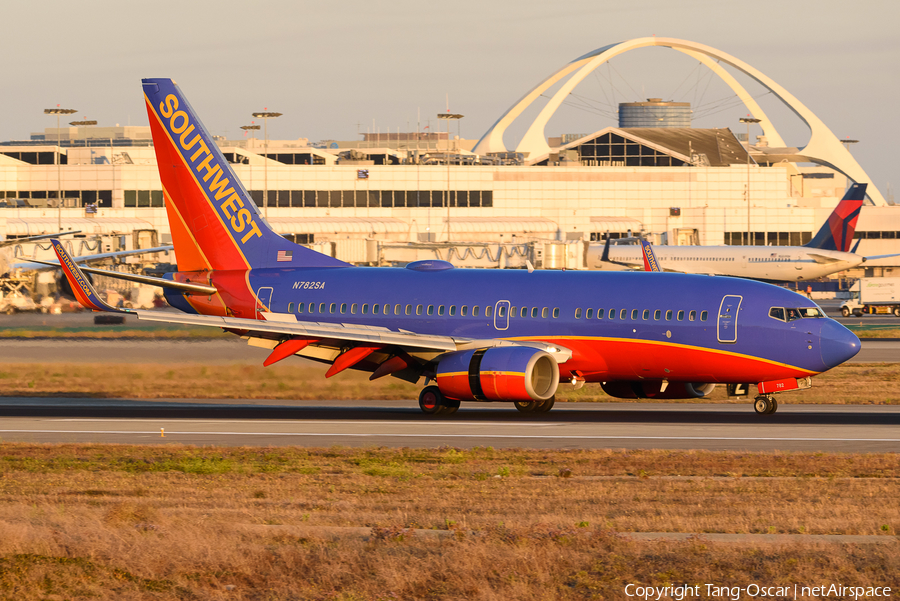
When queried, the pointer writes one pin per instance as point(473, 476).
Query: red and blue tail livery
point(837, 232)
point(472, 335)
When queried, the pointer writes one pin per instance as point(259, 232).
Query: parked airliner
point(471, 334)
point(827, 253)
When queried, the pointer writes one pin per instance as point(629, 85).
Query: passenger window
point(501, 311)
point(343, 308)
point(523, 312)
point(512, 312)
point(555, 312)
point(366, 308)
point(375, 309)
point(634, 314)
point(431, 309)
point(311, 308)
point(692, 316)
point(464, 310)
point(623, 313)
point(545, 312)
point(409, 309)
point(681, 315)
point(332, 307)
point(646, 315)
point(475, 309)
point(291, 307)
point(488, 311)
point(577, 313)
point(300, 307)
point(612, 313)
point(657, 314)
point(418, 309)
point(600, 313)
point(704, 315)
point(534, 311)
point(440, 309)
point(669, 315)
point(387, 308)
point(452, 310)
point(396, 309)
point(589, 314)
point(353, 308)
point(321, 307)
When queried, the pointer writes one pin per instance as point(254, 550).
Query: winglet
point(81, 286)
point(605, 256)
point(650, 262)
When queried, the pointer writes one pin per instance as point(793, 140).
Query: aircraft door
point(726, 328)
point(264, 295)
point(501, 315)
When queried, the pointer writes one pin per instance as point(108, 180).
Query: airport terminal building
point(392, 198)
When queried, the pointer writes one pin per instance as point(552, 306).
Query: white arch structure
point(823, 148)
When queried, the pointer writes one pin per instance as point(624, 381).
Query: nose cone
point(838, 344)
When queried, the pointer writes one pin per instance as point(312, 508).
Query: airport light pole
point(748, 121)
point(58, 111)
point(448, 116)
point(265, 116)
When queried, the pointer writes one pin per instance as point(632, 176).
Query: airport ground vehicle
point(479, 335)
point(873, 296)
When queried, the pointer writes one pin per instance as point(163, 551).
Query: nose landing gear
point(765, 404)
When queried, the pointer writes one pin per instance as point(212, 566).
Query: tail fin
point(650, 262)
point(214, 222)
point(837, 232)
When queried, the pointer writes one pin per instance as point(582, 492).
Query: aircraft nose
point(838, 344)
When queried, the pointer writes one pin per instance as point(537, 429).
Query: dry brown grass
point(108, 521)
point(872, 383)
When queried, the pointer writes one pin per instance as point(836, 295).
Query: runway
point(401, 424)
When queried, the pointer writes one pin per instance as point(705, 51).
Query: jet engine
point(653, 389)
point(509, 373)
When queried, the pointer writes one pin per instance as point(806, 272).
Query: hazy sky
point(338, 68)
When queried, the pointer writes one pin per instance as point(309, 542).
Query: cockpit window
point(792, 313)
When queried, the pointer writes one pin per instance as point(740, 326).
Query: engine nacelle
point(650, 389)
point(509, 373)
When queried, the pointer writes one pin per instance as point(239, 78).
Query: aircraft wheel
point(431, 400)
point(525, 406)
point(449, 406)
point(845, 312)
point(545, 406)
point(773, 406)
point(761, 405)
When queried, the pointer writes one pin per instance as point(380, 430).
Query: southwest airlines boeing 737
point(471, 334)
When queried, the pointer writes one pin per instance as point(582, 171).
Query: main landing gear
point(432, 402)
point(765, 404)
point(535, 406)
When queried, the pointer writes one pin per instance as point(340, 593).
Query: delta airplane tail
point(837, 232)
point(215, 224)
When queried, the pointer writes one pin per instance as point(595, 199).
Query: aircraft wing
point(35, 264)
point(14, 241)
point(284, 327)
point(822, 259)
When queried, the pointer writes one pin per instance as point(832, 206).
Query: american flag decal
point(284, 255)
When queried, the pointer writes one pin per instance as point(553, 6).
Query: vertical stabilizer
point(650, 262)
point(215, 224)
point(837, 232)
